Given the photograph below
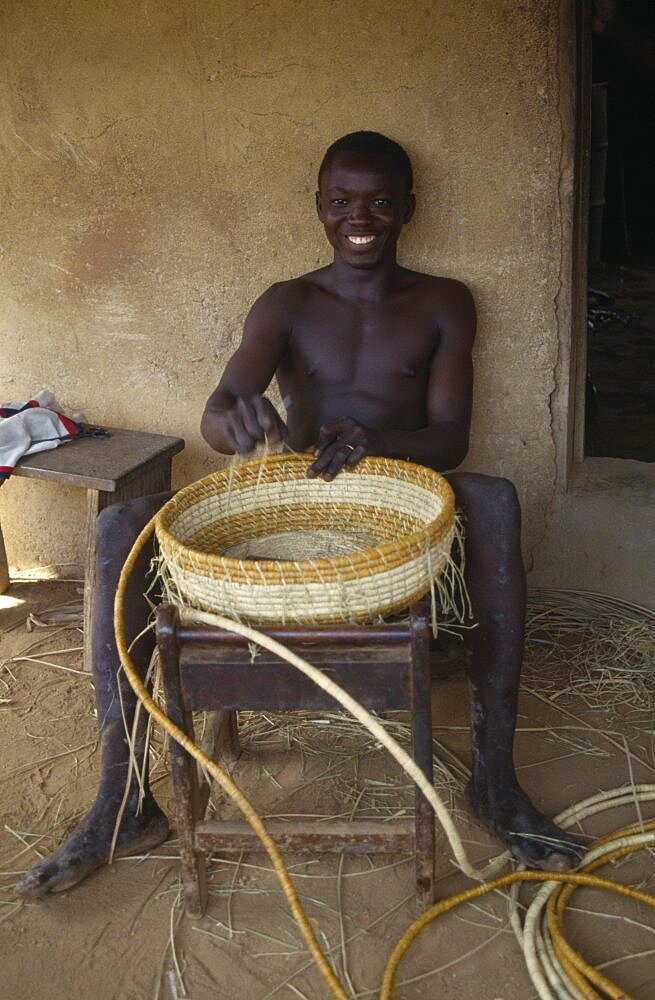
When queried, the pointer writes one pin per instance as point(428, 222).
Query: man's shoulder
point(292, 290)
point(449, 303)
point(302, 283)
point(437, 285)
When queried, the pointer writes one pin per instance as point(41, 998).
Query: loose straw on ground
point(399, 754)
point(606, 646)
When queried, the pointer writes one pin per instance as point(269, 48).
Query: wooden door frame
point(581, 78)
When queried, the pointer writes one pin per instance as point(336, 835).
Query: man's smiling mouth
point(361, 241)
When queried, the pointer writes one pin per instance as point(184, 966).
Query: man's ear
point(409, 208)
point(319, 206)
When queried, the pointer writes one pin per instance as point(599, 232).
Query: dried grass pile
point(600, 649)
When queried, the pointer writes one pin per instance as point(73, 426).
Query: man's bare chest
point(368, 351)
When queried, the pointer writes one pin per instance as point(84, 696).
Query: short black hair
point(371, 144)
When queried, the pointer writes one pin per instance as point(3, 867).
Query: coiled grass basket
point(263, 543)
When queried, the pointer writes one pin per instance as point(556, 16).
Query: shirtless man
point(372, 359)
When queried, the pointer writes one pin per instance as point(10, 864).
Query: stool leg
point(422, 748)
point(183, 767)
point(221, 737)
point(220, 741)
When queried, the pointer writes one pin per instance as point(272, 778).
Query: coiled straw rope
point(574, 880)
point(569, 959)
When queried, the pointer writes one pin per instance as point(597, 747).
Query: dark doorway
point(620, 391)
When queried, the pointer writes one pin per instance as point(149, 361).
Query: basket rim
point(426, 537)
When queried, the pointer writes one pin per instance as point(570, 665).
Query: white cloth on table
point(38, 424)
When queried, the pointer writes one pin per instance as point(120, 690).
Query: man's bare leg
point(88, 846)
point(496, 582)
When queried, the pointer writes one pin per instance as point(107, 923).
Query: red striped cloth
point(37, 424)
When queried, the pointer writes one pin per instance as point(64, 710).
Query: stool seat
point(385, 667)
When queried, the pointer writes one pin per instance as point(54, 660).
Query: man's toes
point(561, 862)
point(37, 881)
point(85, 851)
point(544, 857)
point(56, 876)
point(527, 853)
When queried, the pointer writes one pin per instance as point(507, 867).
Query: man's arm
point(236, 414)
point(442, 444)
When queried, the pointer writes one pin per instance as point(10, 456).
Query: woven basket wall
point(263, 543)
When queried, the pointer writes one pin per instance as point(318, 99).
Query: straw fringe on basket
point(265, 544)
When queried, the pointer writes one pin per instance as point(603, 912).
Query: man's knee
point(120, 523)
point(490, 505)
point(503, 497)
point(472, 489)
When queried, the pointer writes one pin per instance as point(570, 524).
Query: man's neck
point(373, 283)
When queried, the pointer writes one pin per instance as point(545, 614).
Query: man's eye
point(338, 201)
point(381, 202)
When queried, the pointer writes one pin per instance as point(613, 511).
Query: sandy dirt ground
point(124, 935)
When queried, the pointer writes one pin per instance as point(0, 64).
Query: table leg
point(156, 478)
point(4, 569)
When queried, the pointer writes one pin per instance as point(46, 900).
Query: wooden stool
point(385, 667)
point(121, 466)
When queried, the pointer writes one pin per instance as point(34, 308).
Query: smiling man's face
point(363, 204)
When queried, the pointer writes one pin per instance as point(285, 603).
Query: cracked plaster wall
point(159, 165)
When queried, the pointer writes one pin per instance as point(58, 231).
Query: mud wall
point(159, 165)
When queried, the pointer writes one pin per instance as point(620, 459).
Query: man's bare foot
point(88, 846)
point(532, 838)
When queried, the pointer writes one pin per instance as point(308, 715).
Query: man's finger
point(356, 455)
point(240, 440)
point(322, 461)
point(331, 460)
point(328, 434)
point(269, 419)
point(266, 421)
point(248, 415)
point(336, 465)
point(317, 467)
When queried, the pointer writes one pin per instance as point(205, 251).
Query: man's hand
point(251, 420)
point(342, 443)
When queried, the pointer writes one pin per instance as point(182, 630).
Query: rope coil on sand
point(568, 957)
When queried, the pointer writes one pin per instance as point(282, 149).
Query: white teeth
point(361, 240)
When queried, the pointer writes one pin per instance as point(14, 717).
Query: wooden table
point(121, 466)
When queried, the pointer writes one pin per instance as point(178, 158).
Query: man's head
point(365, 197)
point(371, 145)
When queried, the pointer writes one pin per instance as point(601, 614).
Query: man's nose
point(360, 211)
